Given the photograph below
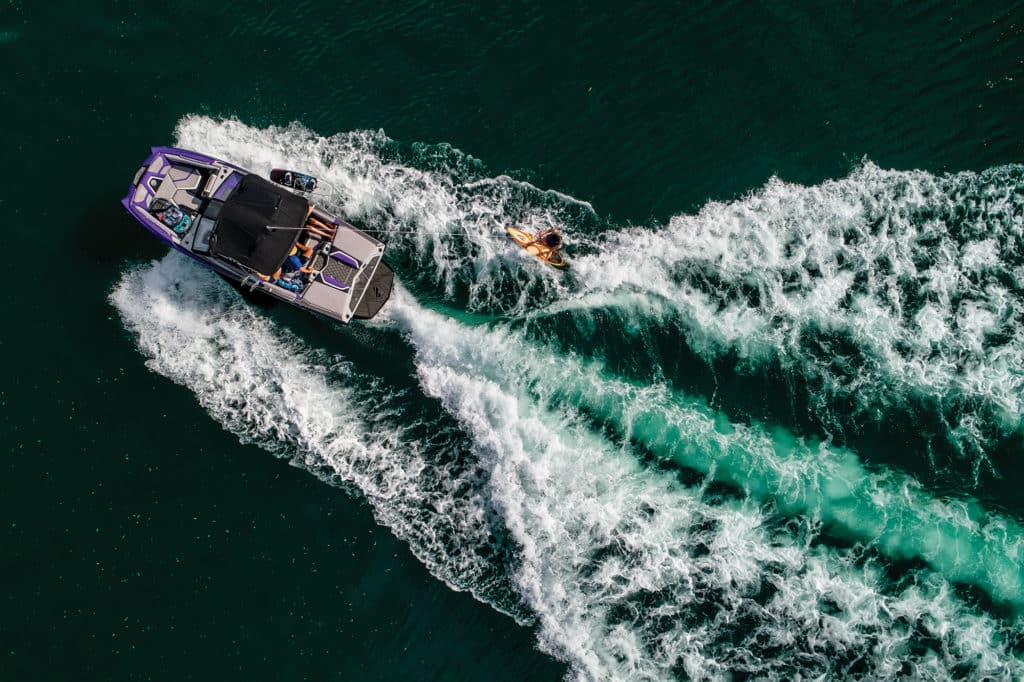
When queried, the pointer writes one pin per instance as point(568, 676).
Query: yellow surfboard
point(528, 242)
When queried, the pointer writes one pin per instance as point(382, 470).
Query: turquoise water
point(766, 424)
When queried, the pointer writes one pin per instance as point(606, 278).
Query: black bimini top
point(241, 232)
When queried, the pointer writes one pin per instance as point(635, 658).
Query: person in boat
point(317, 227)
point(291, 274)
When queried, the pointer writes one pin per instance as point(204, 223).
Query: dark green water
point(142, 540)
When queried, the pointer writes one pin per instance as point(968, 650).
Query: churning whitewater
point(646, 534)
point(882, 291)
point(629, 572)
point(265, 386)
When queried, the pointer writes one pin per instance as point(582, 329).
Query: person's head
point(552, 240)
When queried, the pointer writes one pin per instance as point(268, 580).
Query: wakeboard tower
point(266, 236)
point(545, 245)
point(300, 182)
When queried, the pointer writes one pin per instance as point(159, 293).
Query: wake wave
point(268, 388)
point(629, 573)
point(881, 290)
point(636, 576)
point(887, 510)
point(881, 287)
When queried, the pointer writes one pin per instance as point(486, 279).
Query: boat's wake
point(648, 535)
point(267, 387)
point(630, 572)
point(883, 293)
point(883, 290)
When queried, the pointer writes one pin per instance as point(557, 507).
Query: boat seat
point(184, 177)
point(186, 199)
point(179, 187)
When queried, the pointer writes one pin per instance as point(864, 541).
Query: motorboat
point(266, 236)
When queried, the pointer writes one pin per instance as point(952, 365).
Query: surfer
point(545, 245)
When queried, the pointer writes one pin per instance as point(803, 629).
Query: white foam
point(449, 221)
point(635, 576)
point(267, 387)
point(911, 268)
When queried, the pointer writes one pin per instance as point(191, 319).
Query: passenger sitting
point(319, 229)
point(291, 273)
point(291, 282)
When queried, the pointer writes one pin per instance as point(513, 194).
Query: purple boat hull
point(234, 225)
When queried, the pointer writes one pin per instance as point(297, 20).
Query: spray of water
point(267, 387)
point(636, 576)
point(629, 573)
point(552, 513)
point(881, 290)
point(883, 287)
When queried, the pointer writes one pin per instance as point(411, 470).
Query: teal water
point(770, 425)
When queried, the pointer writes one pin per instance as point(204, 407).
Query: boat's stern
point(376, 292)
point(350, 279)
